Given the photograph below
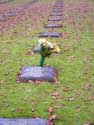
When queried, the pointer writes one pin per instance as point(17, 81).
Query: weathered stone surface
point(36, 121)
point(53, 26)
point(10, 14)
point(56, 14)
point(54, 19)
point(57, 11)
point(37, 73)
point(49, 34)
point(37, 48)
point(2, 18)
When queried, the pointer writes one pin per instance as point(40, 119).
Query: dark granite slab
point(37, 48)
point(36, 121)
point(2, 19)
point(37, 73)
point(57, 11)
point(56, 14)
point(53, 26)
point(54, 19)
point(10, 14)
point(57, 5)
point(49, 34)
point(57, 8)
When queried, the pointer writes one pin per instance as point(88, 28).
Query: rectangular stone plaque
point(54, 19)
point(59, 8)
point(53, 26)
point(57, 11)
point(2, 18)
point(37, 48)
point(37, 73)
point(49, 34)
point(56, 14)
point(36, 121)
point(10, 14)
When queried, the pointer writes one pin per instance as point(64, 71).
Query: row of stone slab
point(55, 16)
point(6, 1)
point(37, 73)
point(15, 12)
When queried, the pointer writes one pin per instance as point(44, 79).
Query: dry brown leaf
point(50, 110)
point(71, 99)
point(89, 123)
point(88, 86)
point(53, 117)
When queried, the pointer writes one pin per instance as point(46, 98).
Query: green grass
point(75, 69)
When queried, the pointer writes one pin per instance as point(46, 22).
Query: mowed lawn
point(72, 97)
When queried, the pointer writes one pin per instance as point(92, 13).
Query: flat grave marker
point(2, 18)
point(53, 26)
point(23, 121)
point(56, 14)
point(10, 14)
point(38, 73)
point(58, 11)
point(54, 19)
point(49, 34)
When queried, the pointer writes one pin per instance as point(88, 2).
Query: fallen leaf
point(89, 123)
point(71, 99)
point(78, 109)
point(50, 110)
point(53, 117)
point(88, 86)
point(56, 95)
point(50, 122)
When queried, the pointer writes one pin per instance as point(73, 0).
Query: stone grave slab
point(53, 26)
point(36, 121)
point(59, 8)
point(56, 14)
point(54, 19)
point(2, 19)
point(36, 48)
point(57, 5)
point(10, 14)
point(57, 11)
point(49, 34)
point(37, 73)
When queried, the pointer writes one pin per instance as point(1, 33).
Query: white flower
point(41, 41)
point(50, 45)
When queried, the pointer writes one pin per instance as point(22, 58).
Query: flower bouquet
point(46, 49)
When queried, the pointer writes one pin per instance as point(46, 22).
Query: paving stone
point(37, 73)
point(53, 26)
point(49, 34)
point(54, 19)
point(36, 121)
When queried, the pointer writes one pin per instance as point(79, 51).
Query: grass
point(75, 69)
